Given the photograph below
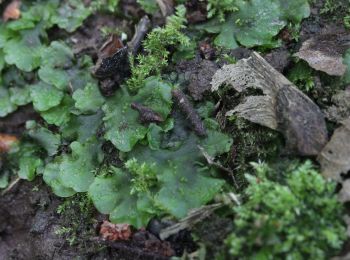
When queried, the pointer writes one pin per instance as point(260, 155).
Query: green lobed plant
point(163, 170)
point(278, 220)
point(252, 23)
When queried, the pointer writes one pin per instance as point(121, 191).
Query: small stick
point(166, 7)
point(192, 218)
point(141, 30)
point(11, 186)
point(147, 115)
point(211, 161)
point(186, 107)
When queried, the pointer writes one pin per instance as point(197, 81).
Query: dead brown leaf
point(335, 156)
point(325, 52)
point(114, 232)
point(6, 141)
point(12, 11)
point(110, 47)
point(282, 107)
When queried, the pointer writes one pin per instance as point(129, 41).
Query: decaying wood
point(282, 107)
point(335, 157)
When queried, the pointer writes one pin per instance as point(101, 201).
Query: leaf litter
point(282, 107)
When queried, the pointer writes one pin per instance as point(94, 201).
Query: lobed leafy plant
point(252, 23)
point(163, 170)
point(279, 221)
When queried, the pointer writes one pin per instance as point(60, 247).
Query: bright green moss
point(299, 218)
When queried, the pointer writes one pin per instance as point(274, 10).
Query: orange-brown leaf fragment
point(6, 141)
point(12, 11)
point(115, 232)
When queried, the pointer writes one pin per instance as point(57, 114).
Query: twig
point(147, 115)
point(211, 161)
point(234, 198)
point(187, 108)
point(11, 186)
point(193, 217)
point(166, 7)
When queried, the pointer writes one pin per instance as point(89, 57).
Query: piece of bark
point(301, 122)
point(147, 115)
point(325, 52)
point(188, 110)
point(335, 156)
point(344, 193)
point(282, 107)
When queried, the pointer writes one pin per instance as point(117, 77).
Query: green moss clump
point(251, 142)
point(76, 220)
point(297, 219)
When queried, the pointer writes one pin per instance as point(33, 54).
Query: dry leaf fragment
point(335, 156)
point(282, 107)
point(325, 52)
point(6, 141)
point(114, 232)
point(12, 11)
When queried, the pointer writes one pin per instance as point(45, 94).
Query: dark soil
point(28, 212)
point(29, 222)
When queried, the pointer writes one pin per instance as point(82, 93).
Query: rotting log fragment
point(282, 107)
point(191, 114)
point(147, 115)
point(335, 156)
